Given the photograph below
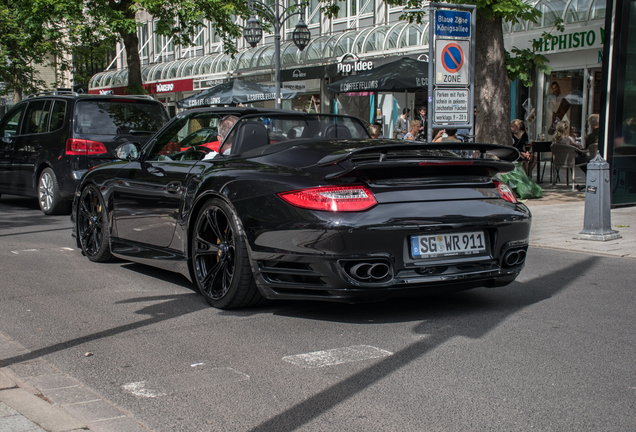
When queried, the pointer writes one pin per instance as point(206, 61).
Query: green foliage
point(179, 19)
point(36, 34)
point(521, 62)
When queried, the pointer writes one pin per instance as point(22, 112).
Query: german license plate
point(444, 245)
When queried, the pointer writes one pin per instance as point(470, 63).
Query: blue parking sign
point(451, 23)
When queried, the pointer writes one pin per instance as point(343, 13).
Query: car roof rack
point(54, 93)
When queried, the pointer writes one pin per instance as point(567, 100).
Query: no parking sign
point(452, 62)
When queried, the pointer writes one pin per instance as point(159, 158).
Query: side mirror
point(128, 151)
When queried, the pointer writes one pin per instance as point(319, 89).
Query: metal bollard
point(597, 224)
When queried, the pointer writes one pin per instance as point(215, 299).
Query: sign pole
point(431, 68)
point(451, 90)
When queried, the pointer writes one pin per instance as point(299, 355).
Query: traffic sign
point(452, 59)
point(452, 23)
point(451, 106)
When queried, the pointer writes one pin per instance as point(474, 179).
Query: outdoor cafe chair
point(563, 156)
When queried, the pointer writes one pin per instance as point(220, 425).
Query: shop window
point(563, 101)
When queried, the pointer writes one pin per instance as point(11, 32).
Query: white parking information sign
point(451, 105)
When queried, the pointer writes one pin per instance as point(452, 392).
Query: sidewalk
point(558, 217)
point(22, 410)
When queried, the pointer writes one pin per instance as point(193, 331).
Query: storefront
point(571, 92)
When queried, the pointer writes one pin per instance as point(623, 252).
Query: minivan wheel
point(49, 198)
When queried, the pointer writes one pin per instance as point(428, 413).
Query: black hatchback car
point(49, 140)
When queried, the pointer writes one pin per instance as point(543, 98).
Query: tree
point(178, 19)
point(31, 34)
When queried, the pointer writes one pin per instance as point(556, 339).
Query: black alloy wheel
point(92, 225)
point(220, 261)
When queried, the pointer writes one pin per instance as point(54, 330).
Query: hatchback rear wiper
point(140, 132)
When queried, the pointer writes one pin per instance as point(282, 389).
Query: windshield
point(114, 117)
point(258, 130)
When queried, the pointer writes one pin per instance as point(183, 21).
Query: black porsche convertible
point(304, 206)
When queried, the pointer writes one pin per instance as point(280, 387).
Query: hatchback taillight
point(505, 192)
point(332, 198)
point(84, 147)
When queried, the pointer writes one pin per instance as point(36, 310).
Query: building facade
point(370, 31)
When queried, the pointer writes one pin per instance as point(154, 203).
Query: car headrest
point(335, 131)
point(249, 136)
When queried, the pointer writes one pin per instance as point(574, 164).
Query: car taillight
point(505, 192)
point(84, 147)
point(331, 198)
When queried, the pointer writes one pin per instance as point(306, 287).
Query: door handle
point(173, 187)
point(156, 171)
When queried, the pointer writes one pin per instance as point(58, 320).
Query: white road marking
point(337, 356)
point(197, 364)
point(139, 389)
point(18, 252)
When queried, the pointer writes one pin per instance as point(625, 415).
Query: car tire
point(220, 261)
point(92, 225)
point(49, 198)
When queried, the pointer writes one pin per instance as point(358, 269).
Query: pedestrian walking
point(402, 124)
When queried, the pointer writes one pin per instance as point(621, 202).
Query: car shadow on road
point(436, 319)
point(20, 212)
point(157, 273)
point(164, 308)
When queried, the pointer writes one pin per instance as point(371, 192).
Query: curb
point(34, 409)
point(44, 399)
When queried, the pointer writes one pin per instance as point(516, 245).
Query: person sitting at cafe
point(414, 129)
point(521, 142)
point(592, 137)
point(562, 135)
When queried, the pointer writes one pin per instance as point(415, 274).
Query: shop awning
point(233, 92)
point(405, 74)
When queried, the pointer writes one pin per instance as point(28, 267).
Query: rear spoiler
point(413, 162)
point(505, 153)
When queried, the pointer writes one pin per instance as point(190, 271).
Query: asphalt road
point(554, 351)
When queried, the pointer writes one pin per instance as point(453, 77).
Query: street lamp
point(277, 14)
